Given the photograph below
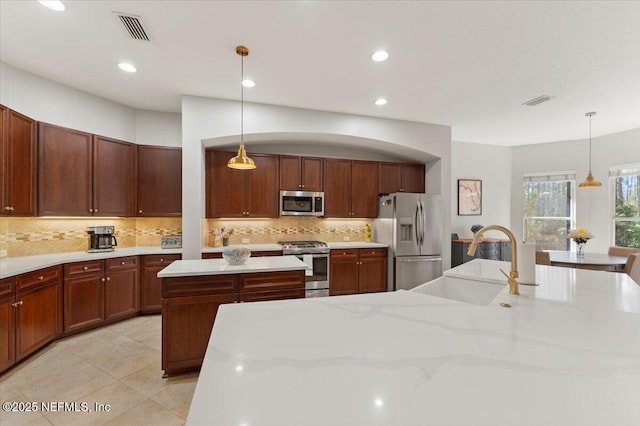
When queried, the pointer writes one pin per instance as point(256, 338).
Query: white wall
point(593, 206)
point(217, 123)
point(55, 103)
point(492, 165)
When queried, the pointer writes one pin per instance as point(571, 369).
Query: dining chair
point(634, 270)
point(622, 251)
point(543, 258)
point(630, 260)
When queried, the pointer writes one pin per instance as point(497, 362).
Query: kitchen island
point(566, 352)
point(193, 290)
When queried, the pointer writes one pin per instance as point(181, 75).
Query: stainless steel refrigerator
point(411, 224)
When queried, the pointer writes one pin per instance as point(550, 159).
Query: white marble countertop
point(252, 247)
point(566, 353)
point(11, 266)
point(193, 267)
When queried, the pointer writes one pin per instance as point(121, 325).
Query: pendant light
point(241, 161)
point(590, 182)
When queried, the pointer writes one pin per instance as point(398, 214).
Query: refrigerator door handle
point(422, 223)
point(416, 223)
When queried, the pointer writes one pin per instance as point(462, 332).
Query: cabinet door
point(364, 189)
point(7, 324)
point(261, 190)
point(38, 318)
point(159, 181)
point(290, 173)
point(121, 294)
point(114, 177)
point(225, 186)
point(413, 178)
point(312, 174)
point(337, 188)
point(19, 165)
point(83, 301)
point(343, 272)
point(389, 178)
point(373, 270)
point(186, 326)
point(64, 172)
point(150, 284)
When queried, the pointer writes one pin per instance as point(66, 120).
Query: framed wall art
point(469, 197)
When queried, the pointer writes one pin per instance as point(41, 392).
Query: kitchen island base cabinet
point(357, 271)
point(186, 326)
point(150, 284)
point(190, 305)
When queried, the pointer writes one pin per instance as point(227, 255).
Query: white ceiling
point(466, 64)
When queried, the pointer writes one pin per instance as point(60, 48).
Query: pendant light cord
point(590, 143)
point(242, 101)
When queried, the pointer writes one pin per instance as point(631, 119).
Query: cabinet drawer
point(7, 287)
point(272, 281)
point(199, 286)
point(121, 263)
point(258, 296)
point(214, 255)
point(373, 252)
point(159, 259)
point(33, 279)
point(78, 268)
point(344, 254)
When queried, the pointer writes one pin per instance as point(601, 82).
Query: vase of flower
point(580, 237)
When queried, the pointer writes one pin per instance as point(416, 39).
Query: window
point(626, 204)
point(549, 210)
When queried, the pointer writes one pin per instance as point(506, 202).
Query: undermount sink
point(462, 290)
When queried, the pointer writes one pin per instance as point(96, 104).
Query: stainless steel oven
point(316, 255)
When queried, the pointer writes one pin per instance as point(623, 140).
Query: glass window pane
point(547, 199)
point(627, 233)
point(627, 196)
point(547, 234)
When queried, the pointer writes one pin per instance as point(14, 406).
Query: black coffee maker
point(101, 238)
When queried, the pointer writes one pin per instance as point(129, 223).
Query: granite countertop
point(567, 352)
point(193, 267)
point(11, 266)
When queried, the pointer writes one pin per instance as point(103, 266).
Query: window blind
point(632, 169)
point(549, 177)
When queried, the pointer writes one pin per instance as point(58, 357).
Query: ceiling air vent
point(133, 25)
point(538, 100)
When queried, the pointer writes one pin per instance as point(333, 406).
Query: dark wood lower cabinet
point(190, 305)
point(150, 284)
point(83, 301)
point(122, 288)
point(30, 313)
point(357, 271)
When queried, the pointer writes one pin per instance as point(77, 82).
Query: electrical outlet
point(245, 241)
point(3, 253)
point(346, 239)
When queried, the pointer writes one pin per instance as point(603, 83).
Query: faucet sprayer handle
point(504, 273)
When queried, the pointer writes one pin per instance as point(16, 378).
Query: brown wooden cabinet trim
point(85, 267)
point(120, 263)
point(7, 287)
point(199, 285)
point(266, 281)
point(258, 296)
point(159, 259)
point(31, 280)
point(372, 252)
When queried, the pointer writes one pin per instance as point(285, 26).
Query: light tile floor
point(117, 365)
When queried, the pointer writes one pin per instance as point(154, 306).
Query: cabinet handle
point(85, 268)
point(40, 278)
point(161, 260)
point(95, 210)
point(299, 186)
point(102, 279)
point(122, 263)
point(344, 253)
point(139, 211)
point(303, 185)
point(90, 210)
point(7, 208)
point(108, 278)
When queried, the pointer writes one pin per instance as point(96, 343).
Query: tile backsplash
point(25, 236)
point(296, 228)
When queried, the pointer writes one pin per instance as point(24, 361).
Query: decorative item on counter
point(221, 236)
point(236, 255)
point(367, 232)
point(580, 236)
point(476, 228)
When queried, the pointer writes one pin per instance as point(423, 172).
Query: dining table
point(596, 261)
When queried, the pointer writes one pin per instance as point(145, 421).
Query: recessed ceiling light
point(125, 66)
point(248, 83)
point(53, 5)
point(381, 101)
point(380, 55)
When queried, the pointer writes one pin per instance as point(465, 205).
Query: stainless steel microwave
point(301, 203)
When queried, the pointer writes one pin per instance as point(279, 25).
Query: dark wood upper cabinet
point(350, 188)
point(64, 172)
point(301, 173)
point(114, 177)
point(18, 153)
point(400, 177)
point(241, 193)
point(159, 181)
point(84, 175)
